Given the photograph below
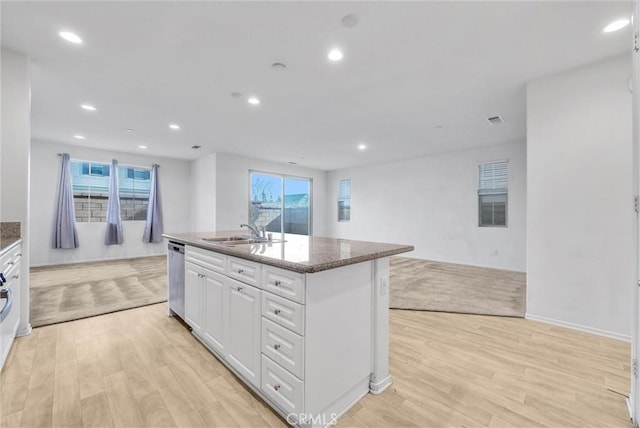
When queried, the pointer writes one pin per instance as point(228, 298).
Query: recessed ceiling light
point(128, 130)
point(293, 163)
point(88, 107)
point(253, 100)
point(335, 55)
point(349, 21)
point(79, 137)
point(196, 147)
point(236, 94)
point(174, 126)
point(142, 147)
point(70, 37)
point(616, 25)
point(362, 146)
point(278, 66)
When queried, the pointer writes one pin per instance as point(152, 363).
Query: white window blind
point(493, 178)
point(344, 200)
point(345, 189)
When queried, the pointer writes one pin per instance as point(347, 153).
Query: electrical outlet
point(384, 285)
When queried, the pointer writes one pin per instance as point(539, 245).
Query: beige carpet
point(447, 287)
point(68, 292)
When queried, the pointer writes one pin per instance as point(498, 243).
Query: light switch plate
point(384, 286)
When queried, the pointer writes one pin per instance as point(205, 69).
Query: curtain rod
point(135, 166)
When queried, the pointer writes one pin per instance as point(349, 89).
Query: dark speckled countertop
point(299, 253)
point(9, 241)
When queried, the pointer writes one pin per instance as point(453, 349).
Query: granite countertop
point(299, 253)
point(8, 242)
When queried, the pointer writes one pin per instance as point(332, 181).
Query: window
point(280, 203)
point(91, 191)
point(492, 194)
point(134, 185)
point(344, 200)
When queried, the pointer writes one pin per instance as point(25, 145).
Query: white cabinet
point(303, 342)
point(244, 330)
point(243, 270)
point(10, 302)
point(282, 387)
point(193, 296)
point(284, 312)
point(214, 329)
point(205, 304)
point(287, 284)
point(283, 347)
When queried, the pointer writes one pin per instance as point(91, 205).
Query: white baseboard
point(24, 332)
point(578, 327)
point(105, 259)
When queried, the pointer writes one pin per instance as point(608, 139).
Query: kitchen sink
point(240, 240)
point(228, 239)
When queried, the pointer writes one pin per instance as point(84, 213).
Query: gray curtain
point(114, 234)
point(65, 233)
point(153, 226)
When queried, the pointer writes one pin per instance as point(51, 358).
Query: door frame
point(633, 402)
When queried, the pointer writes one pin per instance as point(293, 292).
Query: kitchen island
point(303, 321)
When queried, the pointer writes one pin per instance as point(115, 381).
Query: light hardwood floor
point(141, 368)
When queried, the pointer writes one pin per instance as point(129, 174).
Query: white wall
point(203, 195)
point(432, 203)
point(16, 133)
point(579, 208)
point(232, 190)
point(174, 180)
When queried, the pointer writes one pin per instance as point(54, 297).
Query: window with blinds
point(492, 193)
point(91, 191)
point(344, 200)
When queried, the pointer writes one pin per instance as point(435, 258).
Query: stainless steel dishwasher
point(175, 277)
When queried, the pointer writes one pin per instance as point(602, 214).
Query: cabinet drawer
point(284, 347)
point(283, 388)
point(244, 270)
point(284, 312)
point(205, 258)
point(285, 283)
point(10, 261)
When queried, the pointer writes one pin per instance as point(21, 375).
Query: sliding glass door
point(280, 203)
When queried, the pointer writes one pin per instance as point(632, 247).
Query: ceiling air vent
point(495, 120)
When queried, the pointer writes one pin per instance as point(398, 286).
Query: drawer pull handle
point(276, 387)
point(277, 283)
point(19, 255)
point(16, 276)
point(276, 346)
point(11, 263)
point(240, 270)
point(239, 288)
point(277, 311)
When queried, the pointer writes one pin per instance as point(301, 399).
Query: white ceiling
point(408, 68)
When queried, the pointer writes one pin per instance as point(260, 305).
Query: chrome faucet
point(253, 228)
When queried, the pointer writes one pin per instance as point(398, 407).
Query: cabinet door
point(215, 323)
point(193, 304)
point(9, 325)
point(244, 332)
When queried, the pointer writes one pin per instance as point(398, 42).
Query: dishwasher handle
point(178, 248)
